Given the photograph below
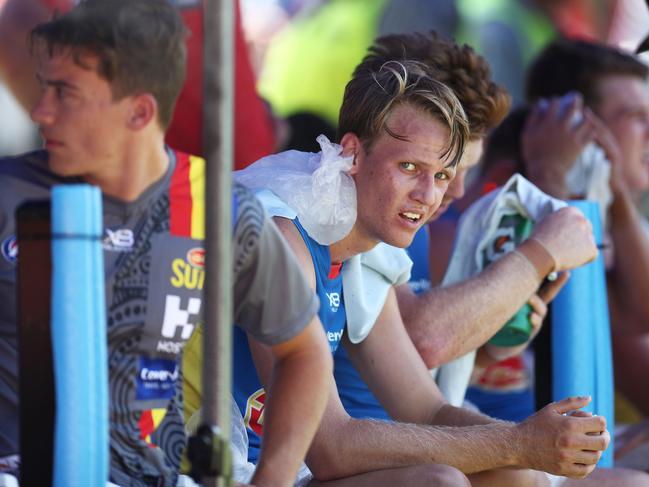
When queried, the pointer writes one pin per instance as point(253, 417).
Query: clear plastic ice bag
point(315, 185)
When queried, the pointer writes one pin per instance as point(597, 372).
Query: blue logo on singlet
point(156, 378)
point(334, 301)
point(10, 249)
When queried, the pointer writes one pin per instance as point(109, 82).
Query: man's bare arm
point(628, 280)
point(445, 323)
point(297, 376)
point(297, 394)
point(432, 431)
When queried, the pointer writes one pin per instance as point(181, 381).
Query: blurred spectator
point(252, 122)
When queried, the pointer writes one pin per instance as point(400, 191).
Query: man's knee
point(442, 476)
point(510, 478)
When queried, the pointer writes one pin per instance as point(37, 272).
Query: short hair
point(576, 65)
point(140, 45)
point(505, 142)
point(458, 67)
point(373, 93)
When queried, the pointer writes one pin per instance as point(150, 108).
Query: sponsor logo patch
point(254, 418)
point(10, 249)
point(196, 258)
point(120, 240)
point(156, 378)
point(334, 301)
point(189, 273)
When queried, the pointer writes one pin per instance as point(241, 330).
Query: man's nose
point(43, 112)
point(426, 192)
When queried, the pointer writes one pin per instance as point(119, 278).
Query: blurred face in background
point(624, 107)
point(456, 188)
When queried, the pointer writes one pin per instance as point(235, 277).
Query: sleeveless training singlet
point(246, 387)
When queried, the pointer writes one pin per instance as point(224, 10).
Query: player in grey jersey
point(110, 72)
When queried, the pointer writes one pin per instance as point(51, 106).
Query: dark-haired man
point(612, 87)
point(109, 75)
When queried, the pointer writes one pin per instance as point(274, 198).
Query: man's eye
point(442, 176)
point(408, 166)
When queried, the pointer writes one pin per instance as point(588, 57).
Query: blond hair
point(373, 93)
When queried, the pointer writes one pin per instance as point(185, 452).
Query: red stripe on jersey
point(180, 198)
point(146, 424)
point(334, 269)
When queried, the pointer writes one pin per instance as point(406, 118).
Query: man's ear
point(352, 146)
point(143, 111)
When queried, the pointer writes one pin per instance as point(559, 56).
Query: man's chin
point(60, 168)
point(402, 241)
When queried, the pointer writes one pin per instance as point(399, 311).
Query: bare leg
point(415, 476)
point(509, 478)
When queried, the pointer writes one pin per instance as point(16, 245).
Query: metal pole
point(218, 86)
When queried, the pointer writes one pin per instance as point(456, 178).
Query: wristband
point(538, 255)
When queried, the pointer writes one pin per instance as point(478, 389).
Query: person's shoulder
point(31, 167)
point(246, 207)
point(22, 177)
point(37, 157)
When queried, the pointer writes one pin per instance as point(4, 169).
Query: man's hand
point(539, 303)
point(568, 236)
point(607, 141)
point(551, 142)
point(561, 443)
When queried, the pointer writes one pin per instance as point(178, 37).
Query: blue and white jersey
point(246, 387)
point(354, 393)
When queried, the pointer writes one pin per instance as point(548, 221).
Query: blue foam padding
point(79, 338)
point(581, 347)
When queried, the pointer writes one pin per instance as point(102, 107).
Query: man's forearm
point(297, 395)
point(629, 278)
point(446, 323)
point(550, 440)
point(373, 445)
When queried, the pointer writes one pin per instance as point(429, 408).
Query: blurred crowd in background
point(303, 51)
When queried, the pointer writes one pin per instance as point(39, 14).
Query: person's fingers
point(570, 403)
point(534, 118)
point(581, 414)
point(550, 289)
point(586, 457)
point(536, 320)
point(584, 132)
point(593, 426)
point(553, 108)
point(538, 305)
point(605, 138)
point(572, 110)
